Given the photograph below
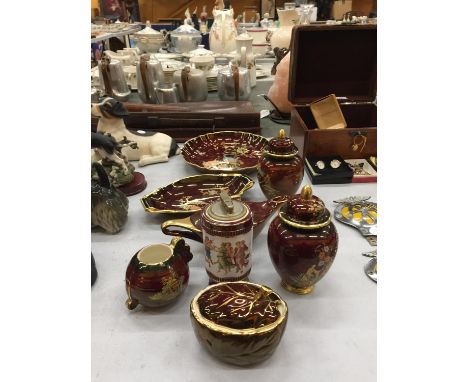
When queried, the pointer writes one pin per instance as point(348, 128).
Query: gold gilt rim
point(292, 155)
point(153, 210)
point(183, 150)
point(195, 310)
point(303, 226)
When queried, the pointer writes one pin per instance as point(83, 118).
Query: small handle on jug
point(184, 228)
point(105, 70)
point(235, 76)
point(179, 248)
point(144, 74)
point(184, 78)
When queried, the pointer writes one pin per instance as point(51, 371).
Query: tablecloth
point(330, 335)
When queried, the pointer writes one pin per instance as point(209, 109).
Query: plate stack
point(212, 80)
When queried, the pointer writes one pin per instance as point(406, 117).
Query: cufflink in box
point(363, 171)
point(327, 113)
point(329, 170)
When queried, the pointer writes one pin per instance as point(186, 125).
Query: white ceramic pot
point(148, 40)
point(258, 35)
point(204, 63)
point(281, 37)
point(200, 51)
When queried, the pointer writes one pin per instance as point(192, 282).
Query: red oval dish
point(191, 194)
point(224, 151)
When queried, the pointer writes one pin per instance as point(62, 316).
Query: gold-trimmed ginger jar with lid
point(281, 169)
point(302, 242)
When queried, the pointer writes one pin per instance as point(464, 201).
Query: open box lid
point(333, 59)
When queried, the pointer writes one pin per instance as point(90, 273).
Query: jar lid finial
point(306, 192)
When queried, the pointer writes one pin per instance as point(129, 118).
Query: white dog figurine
point(151, 149)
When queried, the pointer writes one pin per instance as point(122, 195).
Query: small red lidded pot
point(302, 242)
point(227, 227)
point(281, 169)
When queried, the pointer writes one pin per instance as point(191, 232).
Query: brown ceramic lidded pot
point(281, 169)
point(302, 242)
point(227, 227)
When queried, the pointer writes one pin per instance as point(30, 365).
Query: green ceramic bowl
point(239, 322)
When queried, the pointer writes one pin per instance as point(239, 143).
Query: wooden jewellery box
point(340, 60)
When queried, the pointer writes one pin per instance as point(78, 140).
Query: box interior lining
point(323, 68)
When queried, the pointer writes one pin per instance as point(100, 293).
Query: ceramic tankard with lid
point(227, 227)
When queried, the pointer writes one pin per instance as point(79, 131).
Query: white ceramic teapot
point(223, 31)
point(245, 57)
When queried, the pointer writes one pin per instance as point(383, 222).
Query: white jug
point(223, 32)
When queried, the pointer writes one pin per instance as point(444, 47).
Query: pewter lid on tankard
point(305, 211)
point(226, 209)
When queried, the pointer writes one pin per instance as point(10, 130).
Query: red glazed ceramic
point(239, 322)
point(191, 227)
point(227, 227)
point(157, 274)
point(192, 193)
point(302, 242)
point(224, 151)
point(281, 168)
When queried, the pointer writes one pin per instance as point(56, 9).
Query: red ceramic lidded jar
point(302, 242)
point(227, 227)
point(281, 169)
